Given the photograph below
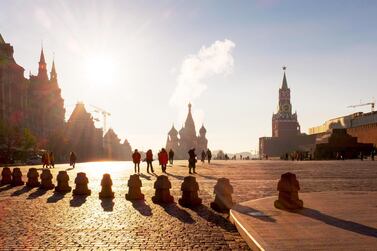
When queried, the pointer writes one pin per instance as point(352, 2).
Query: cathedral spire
point(284, 84)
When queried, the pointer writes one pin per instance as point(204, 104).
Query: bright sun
point(100, 70)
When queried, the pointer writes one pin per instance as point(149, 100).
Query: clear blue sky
point(330, 48)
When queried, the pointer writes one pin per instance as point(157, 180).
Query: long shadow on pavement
point(336, 222)
point(143, 208)
point(207, 214)
point(77, 200)
point(39, 192)
point(182, 215)
point(5, 188)
point(207, 177)
point(23, 190)
point(178, 177)
point(145, 176)
point(107, 204)
point(249, 211)
point(55, 197)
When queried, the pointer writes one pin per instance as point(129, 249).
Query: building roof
point(203, 129)
point(1, 40)
point(173, 131)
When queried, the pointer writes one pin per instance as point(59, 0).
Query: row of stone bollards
point(190, 198)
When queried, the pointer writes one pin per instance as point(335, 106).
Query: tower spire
point(284, 83)
point(42, 71)
point(53, 74)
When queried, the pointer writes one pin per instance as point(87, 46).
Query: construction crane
point(372, 104)
point(105, 114)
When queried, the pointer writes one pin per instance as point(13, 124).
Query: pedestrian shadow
point(77, 200)
point(143, 208)
point(5, 188)
point(207, 176)
point(207, 214)
point(145, 176)
point(336, 222)
point(178, 177)
point(69, 169)
point(39, 192)
point(23, 190)
point(107, 204)
point(182, 215)
point(55, 197)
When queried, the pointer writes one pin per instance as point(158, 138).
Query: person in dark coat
point(136, 157)
point(192, 160)
point(203, 156)
point(209, 156)
point(171, 156)
point(163, 158)
point(72, 159)
point(149, 159)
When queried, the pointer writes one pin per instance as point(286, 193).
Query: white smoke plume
point(217, 59)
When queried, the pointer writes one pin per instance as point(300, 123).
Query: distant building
point(83, 137)
point(286, 133)
point(113, 149)
point(360, 125)
point(337, 143)
point(13, 87)
point(181, 142)
point(47, 112)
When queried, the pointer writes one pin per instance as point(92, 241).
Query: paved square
point(35, 219)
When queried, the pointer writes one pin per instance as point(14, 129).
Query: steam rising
point(216, 59)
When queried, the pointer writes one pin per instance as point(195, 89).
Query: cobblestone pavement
point(36, 219)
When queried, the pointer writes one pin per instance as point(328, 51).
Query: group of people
point(164, 157)
point(48, 160)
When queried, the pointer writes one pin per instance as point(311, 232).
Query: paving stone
point(41, 220)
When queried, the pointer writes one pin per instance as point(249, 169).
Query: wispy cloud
point(217, 59)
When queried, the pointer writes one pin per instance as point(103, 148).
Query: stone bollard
point(6, 176)
point(17, 177)
point(162, 194)
point(46, 180)
point(62, 186)
point(134, 188)
point(288, 188)
point(223, 199)
point(81, 182)
point(32, 178)
point(106, 183)
point(190, 190)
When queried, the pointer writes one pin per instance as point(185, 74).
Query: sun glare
point(100, 70)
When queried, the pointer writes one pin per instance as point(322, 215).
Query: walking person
point(52, 160)
point(72, 159)
point(163, 159)
point(209, 155)
point(171, 156)
point(149, 159)
point(192, 160)
point(373, 153)
point(136, 157)
point(203, 156)
point(44, 160)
